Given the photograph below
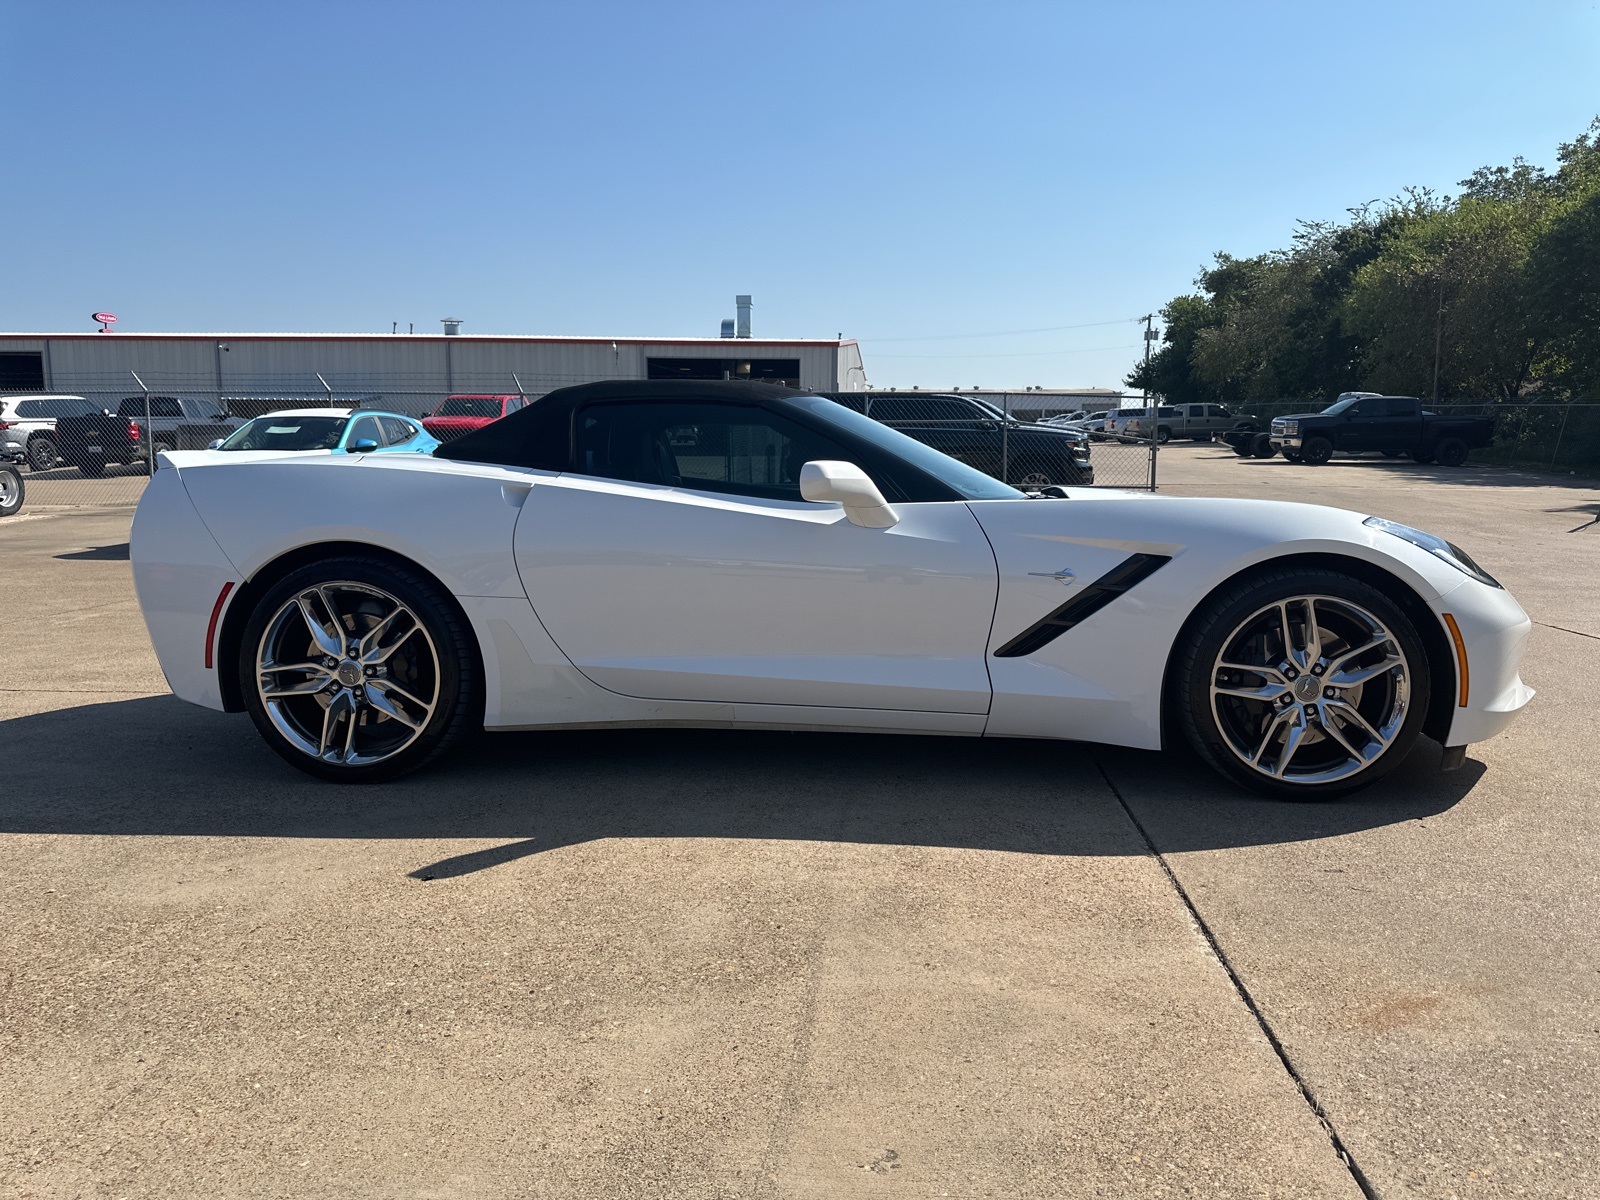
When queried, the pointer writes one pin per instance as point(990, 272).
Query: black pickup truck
point(90, 437)
point(1393, 425)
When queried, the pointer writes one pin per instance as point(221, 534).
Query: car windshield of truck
point(969, 482)
point(469, 406)
point(287, 433)
point(1335, 409)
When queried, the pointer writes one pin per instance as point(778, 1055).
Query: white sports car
point(703, 554)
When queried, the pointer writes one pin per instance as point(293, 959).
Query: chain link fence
point(94, 445)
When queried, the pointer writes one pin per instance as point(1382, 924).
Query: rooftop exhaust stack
point(452, 326)
point(741, 305)
point(727, 327)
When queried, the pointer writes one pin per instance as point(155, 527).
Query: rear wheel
point(12, 490)
point(357, 670)
point(1451, 452)
point(1261, 446)
point(1316, 451)
point(42, 453)
point(1303, 684)
point(1241, 447)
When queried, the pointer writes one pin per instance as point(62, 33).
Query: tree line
point(1489, 296)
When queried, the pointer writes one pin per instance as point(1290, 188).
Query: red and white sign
point(106, 319)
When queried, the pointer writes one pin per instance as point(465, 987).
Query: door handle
point(1061, 576)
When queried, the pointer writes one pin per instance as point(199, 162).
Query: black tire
point(1242, 447)
point(1315, 451)
point(92, 468)
point(1261, 446)
point(12, 490)
point(1450, 451)
point(43, 454)
point(454, 678)
point(1421, 456)
point(1215, 627)
point(1163, 435)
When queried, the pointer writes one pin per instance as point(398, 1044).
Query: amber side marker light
point(1461, 656)
point(216, 612)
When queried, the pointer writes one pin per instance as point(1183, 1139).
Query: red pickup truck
point(462, 414)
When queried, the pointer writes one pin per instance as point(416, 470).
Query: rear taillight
point(133, 431)
point(5, 424)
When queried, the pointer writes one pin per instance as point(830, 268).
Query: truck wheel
point(1163, 435)
point(11, 490)
point(1241, 447)
point(1421, 456)
point(42, 453)
point(1261, 446)
point(1451, 452)
point(1316, 451)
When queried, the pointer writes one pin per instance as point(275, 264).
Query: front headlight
point(1436, 546)
point(1291, 428)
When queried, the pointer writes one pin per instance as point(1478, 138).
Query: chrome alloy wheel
point(1310, 689)
point(10, 489)
point(347, 673)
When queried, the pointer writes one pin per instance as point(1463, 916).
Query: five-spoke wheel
point(1305, 683)
point(355, 669)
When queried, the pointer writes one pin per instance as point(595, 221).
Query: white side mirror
point(847, 484)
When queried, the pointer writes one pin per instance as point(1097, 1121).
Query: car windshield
point(1341, 405)
point(287, 433)
point(972, 484)
point(996, 413)
point(469, 406)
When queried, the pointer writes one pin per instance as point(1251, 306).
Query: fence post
point(1565, 413)
point(149, 430)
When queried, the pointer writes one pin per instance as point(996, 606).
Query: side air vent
point(1085, 604)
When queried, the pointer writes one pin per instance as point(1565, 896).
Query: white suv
point(28, 425)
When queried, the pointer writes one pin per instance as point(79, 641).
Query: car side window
point(366, 427)
point(737, 449)
point(894, 410)
point(165, 406)
point(30, 408)
point(396, 431)
point(1197, 410)
point(1401, 407)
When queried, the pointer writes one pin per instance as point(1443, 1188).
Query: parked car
point(92, 438)
point(1391, 424)
point(179, 422)
point(1196, 422)
point(330, 430)
point(685, 553)
point(28, 424)
point(973, 431)
point(12, 489)
point(462, 414)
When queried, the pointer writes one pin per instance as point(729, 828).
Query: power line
point(1025, 354)
point(951, 337)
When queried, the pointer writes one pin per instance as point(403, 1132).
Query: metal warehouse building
point(407, 372)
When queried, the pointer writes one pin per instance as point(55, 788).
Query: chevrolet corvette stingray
point(740, 555)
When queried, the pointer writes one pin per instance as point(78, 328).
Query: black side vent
point(1085, 604)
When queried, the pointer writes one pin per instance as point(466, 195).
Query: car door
point(365, 428)
point(679, 562)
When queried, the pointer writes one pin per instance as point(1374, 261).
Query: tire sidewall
point(1227, 611)
point(1450, 452)
point(460, 703)
point(18, 486)
point(1316, 451)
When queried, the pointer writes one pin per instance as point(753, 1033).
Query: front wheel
point(1303, 684)
point(1163, 435)
point(1316, 451)
point(42, 453)
point(358, 670)
point(1261, 446)
point(12, 490)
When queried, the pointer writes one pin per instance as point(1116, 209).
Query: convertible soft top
point(538, 435)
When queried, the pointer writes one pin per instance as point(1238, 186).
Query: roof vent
point(741, 305)
point(727, 327)
point(452, 326)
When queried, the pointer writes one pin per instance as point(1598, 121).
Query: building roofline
point(425, 337)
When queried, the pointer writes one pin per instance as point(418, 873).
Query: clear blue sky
point(884, 170)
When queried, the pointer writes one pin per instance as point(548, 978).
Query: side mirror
point(214, 444)
point(362, 446)
point(848, 485)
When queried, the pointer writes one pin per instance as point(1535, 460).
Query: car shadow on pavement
point(158, 767)
point(114, 553)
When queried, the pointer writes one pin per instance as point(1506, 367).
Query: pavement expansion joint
point(1339, 1148)
point(1564, 629)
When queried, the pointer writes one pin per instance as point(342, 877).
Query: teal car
point(347, 430)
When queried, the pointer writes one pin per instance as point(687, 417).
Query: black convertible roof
point(537, 435)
